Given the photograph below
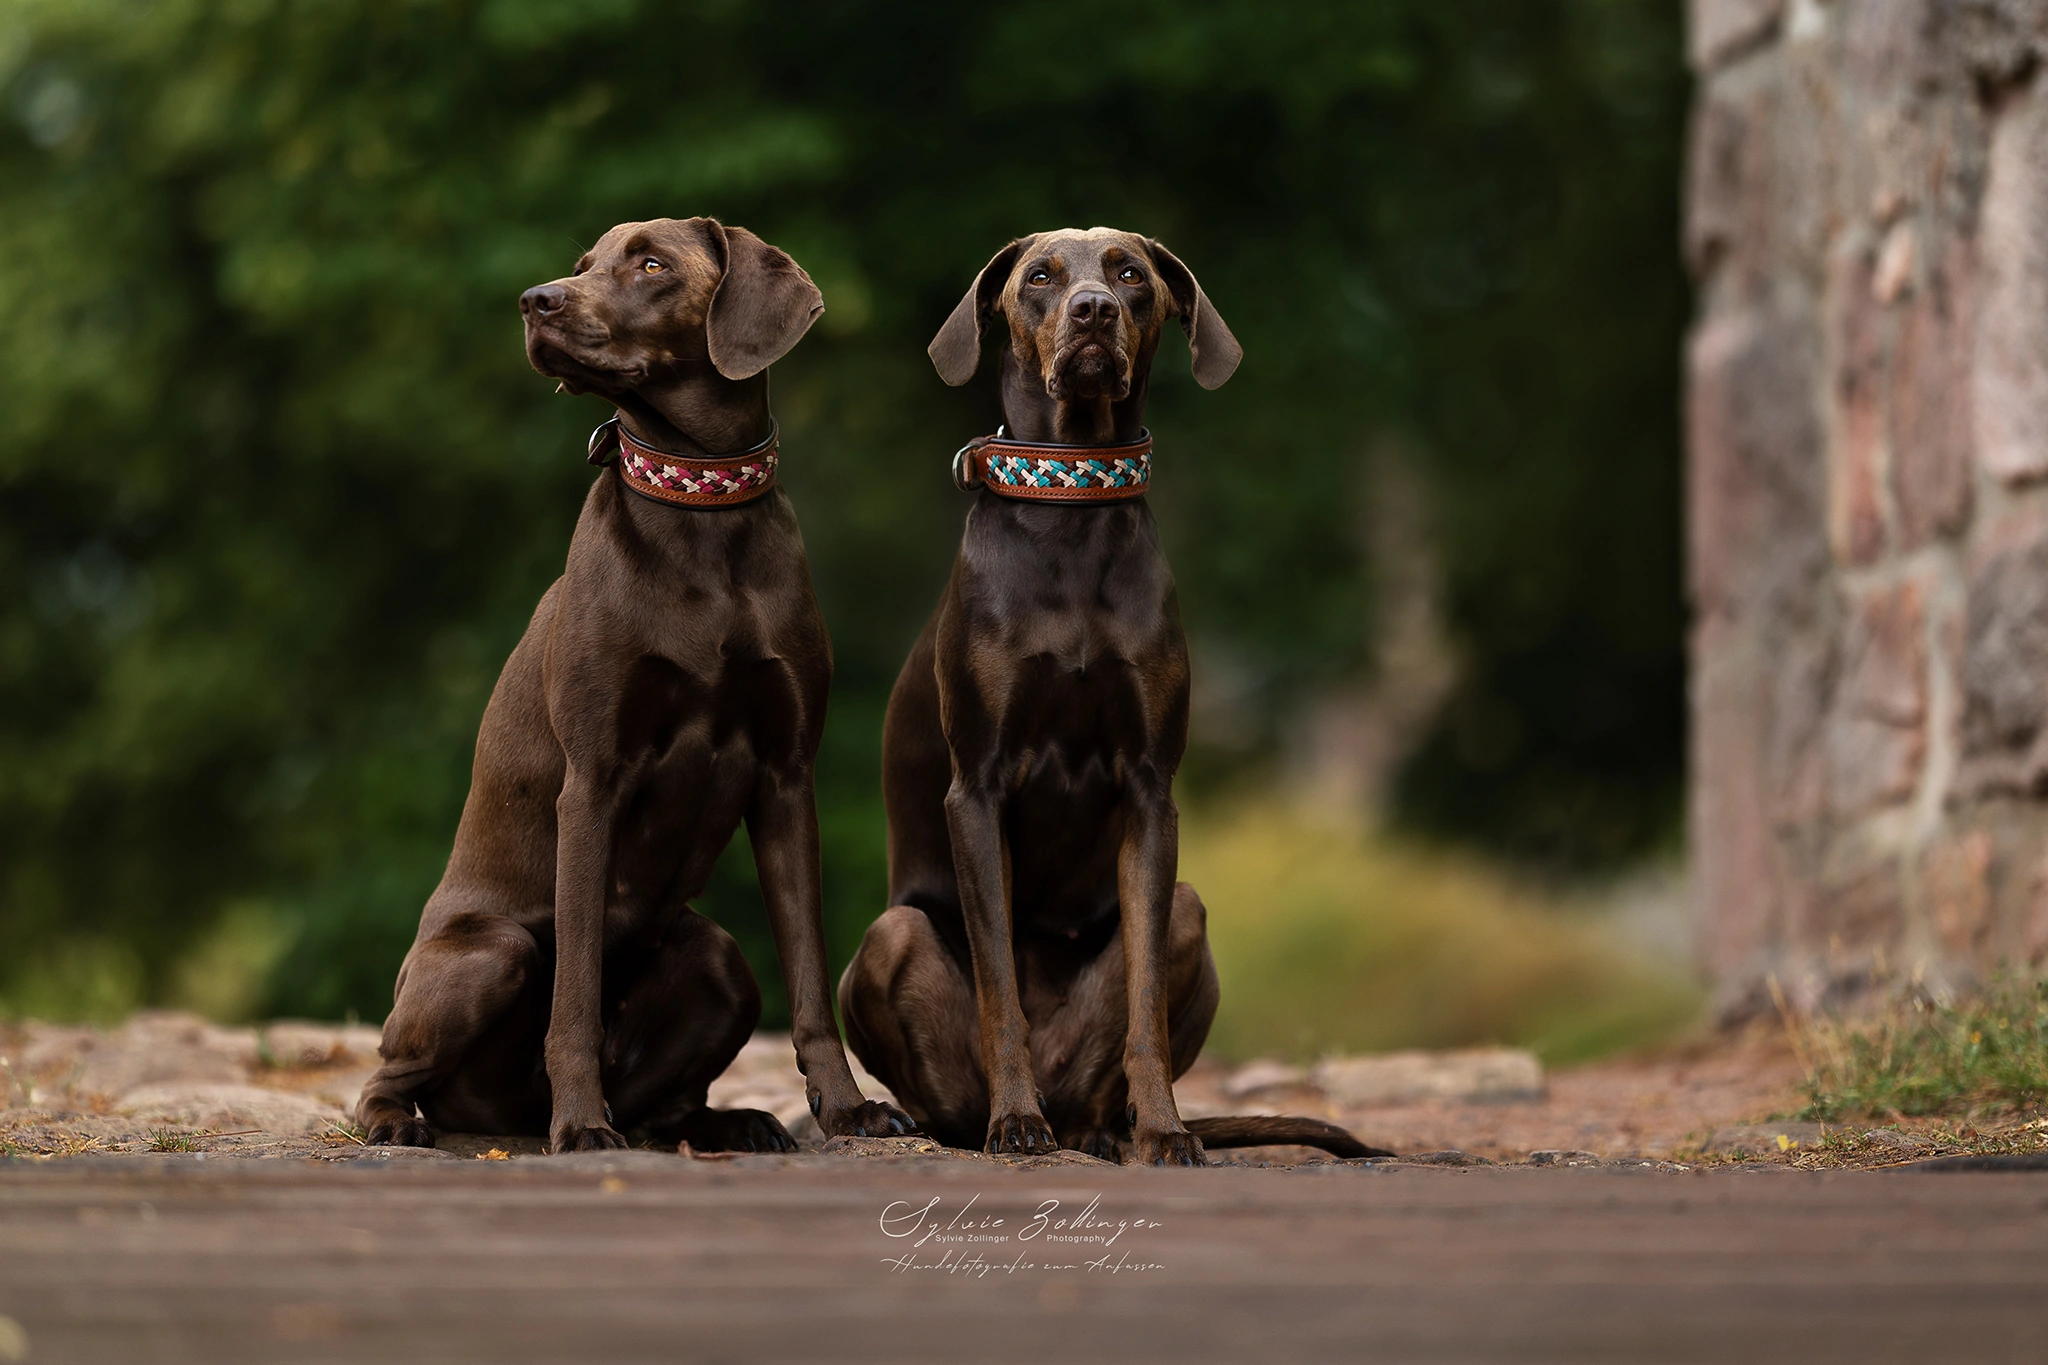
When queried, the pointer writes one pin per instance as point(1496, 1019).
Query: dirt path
point(171, 1081)
point(644, 1256)
point(134, 1225)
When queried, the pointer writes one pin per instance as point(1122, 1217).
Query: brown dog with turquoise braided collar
point(1041, 976)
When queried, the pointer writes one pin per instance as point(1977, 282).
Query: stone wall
point(1867, 433)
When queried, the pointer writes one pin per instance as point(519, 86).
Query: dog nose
point(1093, 308)
point(543, 299)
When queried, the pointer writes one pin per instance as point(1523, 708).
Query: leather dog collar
point(686, 480)
point(1036, 472)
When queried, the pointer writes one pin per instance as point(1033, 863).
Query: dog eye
point(1039, 277)
point(1130, 274)
point(652, 266)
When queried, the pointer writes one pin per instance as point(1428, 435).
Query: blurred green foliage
point(277, 490)
point(1330, 940)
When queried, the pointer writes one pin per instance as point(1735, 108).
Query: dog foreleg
point(1146, 866)
point(981, 864)
point(584, 814)
point(783, 828)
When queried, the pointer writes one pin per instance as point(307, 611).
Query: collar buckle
point(964, 476)
point(604, 443)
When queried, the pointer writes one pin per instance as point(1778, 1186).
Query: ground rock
point(896, 1146)
point(152, 1046)
point(1763, 1139)
point(1560, 1157)
point(224, 1105)
point(764, 1076)
point(1264, 1074)
point(1450, 1156)
point(386, 1153)
point(1478, 1075)
point(305, 1043)
point(1896, 1140)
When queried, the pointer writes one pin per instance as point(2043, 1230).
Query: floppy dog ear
point(956, 350)
point(1212, 349)
point(763, 306)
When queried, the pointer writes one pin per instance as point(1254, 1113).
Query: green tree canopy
point(278, 492)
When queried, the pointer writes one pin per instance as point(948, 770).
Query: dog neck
point(1032, 414)
point(698, 411)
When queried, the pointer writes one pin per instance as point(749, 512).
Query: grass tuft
point(171, 1140)
point(1917, 1058)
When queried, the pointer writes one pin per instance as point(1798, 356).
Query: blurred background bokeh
point(278, 490)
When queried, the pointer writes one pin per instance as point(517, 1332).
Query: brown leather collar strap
point(685, 480)
point(1053, 473)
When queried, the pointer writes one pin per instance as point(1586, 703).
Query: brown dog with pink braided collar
point(670, 686)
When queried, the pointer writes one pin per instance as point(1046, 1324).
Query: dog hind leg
point(1077, 1040)
point(677, 1025)
point(908, 1005)
point(455, 988)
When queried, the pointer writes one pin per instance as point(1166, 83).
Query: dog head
point(1085, 310)
point(652, 298)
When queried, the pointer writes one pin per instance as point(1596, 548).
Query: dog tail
point(1263, 1130)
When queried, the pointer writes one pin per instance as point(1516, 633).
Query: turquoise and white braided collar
point(1035, 472)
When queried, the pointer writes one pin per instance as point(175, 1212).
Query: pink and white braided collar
point(685, 480)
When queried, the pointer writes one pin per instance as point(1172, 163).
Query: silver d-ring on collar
point(962, 460)
point(604, 443)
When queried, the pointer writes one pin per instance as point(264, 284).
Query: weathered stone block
point(1955, 887)
point(1930, 405)
point(2034, 931)
point(2009, 387)
point(1762, 177)
point(2005, 661)
point(1475, 1076)
point(1721, 29)
point(1714, 172)
point(1733, 852)
point(1756, 487)
point(1856, 425)
point(1877, 738)
point(1857, 915)
point(1796, 761)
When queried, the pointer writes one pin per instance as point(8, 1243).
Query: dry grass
point(1848, 1149)
point(1332, 941)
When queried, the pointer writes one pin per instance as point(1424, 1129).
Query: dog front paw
point(736, 1130)
point(595, 1137)
point(1101, 1143)
point(1021, 1135)
point(1176, 1147)
point(395, 1130)
point(869, 1118)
